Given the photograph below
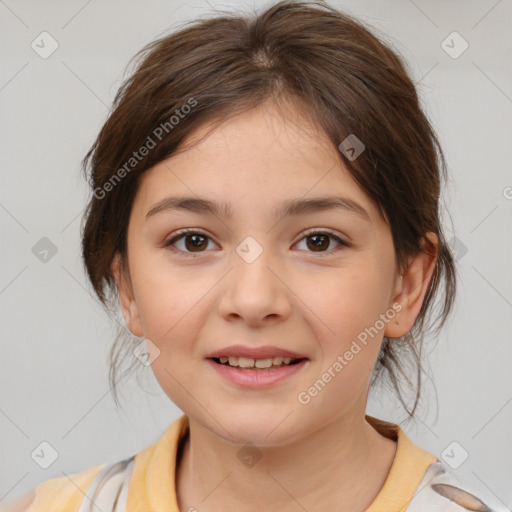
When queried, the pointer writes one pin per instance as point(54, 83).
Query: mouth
point(266, 364)
point(257, 374)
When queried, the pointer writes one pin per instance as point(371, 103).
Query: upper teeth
point(247, 362)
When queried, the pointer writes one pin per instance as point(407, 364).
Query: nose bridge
point(251, 267)
point(254, 290)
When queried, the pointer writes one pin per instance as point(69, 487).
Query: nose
point(255, 292)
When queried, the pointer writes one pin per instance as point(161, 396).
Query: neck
point(350, 459)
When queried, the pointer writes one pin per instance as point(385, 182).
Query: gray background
point(54, 384)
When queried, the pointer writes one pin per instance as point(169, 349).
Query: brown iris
point(196, 242)
point(317, 244)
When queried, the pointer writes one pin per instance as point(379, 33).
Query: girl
point(264, 211)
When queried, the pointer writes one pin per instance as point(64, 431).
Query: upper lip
point(254, 353)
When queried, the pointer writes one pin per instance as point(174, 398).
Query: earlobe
point(412, 288)
point(126, 297)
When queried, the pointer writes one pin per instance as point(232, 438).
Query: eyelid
point(326, 231)
point(184, 231)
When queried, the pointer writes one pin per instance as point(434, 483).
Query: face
point(310, 280)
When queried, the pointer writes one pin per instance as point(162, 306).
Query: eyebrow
point(292, 207)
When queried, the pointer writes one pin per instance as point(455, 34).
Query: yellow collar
point(152, 485)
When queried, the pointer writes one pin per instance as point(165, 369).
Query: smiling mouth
point(246, 363)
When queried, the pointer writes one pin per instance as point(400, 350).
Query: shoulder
point(21, 504)
point(64, 493)
point(440, 489)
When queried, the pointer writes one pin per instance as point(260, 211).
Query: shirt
point(418, 481)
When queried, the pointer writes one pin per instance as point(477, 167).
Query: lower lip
point(257, 379)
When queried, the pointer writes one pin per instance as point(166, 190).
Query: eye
point(321, 240)
point(191, 241)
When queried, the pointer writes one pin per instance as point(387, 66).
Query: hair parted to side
point(345, 81)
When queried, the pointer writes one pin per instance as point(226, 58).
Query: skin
point(292, 296)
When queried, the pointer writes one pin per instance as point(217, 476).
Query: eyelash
point(182, 233)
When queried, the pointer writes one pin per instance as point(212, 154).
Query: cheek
point(172, 304)
point(346, 313)
point(348, 300)
point(166, 295)
point(346, 319)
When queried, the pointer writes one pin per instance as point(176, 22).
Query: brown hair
point(346, 81)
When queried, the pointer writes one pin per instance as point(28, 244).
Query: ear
point(126, 297)
point(411, 287)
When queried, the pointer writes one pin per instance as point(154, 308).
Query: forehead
point(256, 159)
point(263, 134)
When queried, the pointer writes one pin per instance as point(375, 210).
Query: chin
point(256, 426)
